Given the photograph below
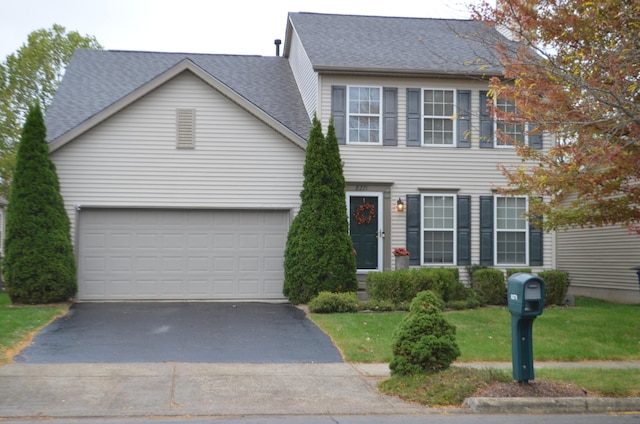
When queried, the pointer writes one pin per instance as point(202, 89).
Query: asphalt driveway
point(212, 332)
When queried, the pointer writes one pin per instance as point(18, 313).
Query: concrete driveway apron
point(212, 332)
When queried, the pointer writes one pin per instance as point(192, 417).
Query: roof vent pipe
point(277, 42)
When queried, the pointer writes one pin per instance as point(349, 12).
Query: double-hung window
point(439, 229)
point(511, 231)
point(364, 109)
point(514, 131)
point(438, 108)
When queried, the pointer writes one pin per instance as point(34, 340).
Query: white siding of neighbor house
point(306, 78)
point(411, 170)
point(131, 159)
point(599, 262)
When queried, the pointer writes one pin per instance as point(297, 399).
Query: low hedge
point(556, 285)
point(327, 302)
point(490, 287)
point(401, 286)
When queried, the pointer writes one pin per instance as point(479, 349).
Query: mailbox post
point(525, 296)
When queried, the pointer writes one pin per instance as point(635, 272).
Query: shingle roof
point(95, 79)
point(397, 45)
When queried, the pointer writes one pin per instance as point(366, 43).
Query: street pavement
point(295, 389)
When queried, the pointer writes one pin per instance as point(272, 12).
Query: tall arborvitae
point(319, 253)
point(39, 264)
point(338, 254)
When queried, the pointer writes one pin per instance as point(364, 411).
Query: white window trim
point(495, 233)
point(379, 115)
point(454, 230)
point(499, 145)
point(423, 116)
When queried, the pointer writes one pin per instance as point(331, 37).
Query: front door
point(365, 228)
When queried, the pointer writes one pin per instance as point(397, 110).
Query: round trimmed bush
point(424, 342)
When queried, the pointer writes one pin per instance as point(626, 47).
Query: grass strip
point(18, 324)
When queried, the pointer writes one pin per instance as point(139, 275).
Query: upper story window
point(437, 113)
point(439, 229)
point(364, 110)
point(511, 230)
point(515, 131)
point(493, 130)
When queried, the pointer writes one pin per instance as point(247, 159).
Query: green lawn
point(593, 330)
point(19, 323)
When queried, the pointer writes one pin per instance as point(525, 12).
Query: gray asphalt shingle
point(95, 79)
point(395, 44)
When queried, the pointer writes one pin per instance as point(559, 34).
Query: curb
point(562, 405)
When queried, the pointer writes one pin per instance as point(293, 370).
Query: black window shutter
point(486, 230)
point(535, 140)
point(463, 121)
point(536, 235)
point(413, 228)
point(413, 116)
point(339, 112)
point(486, 123)
point(464, 230)
point(390, 116)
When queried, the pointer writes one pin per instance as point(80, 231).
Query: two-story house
point(181, 172)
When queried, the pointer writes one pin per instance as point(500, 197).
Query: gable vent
point(185, 128)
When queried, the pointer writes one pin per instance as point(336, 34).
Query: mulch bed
point(537, 388)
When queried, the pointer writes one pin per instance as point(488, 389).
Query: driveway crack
point(172, 398)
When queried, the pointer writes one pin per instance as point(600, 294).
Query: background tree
point(319, 253)
point(576, 74)
point(39, 265)
point(32, 74)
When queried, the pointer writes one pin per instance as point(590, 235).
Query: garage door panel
point(180, 254)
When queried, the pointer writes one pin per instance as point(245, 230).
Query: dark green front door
point(364, 216)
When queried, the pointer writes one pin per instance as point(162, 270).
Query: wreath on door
point(365, 213)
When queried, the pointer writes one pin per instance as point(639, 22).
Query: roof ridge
point(426, 18)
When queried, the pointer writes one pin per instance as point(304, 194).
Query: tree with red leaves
point(575, 74)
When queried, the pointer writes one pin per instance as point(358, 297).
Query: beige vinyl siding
point(131, 159)
point(599, 262)
point(410, 170)
point(306, 78)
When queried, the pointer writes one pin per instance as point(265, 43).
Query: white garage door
point(181, 254)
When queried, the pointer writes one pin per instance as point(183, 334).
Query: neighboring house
point(181, 172)
point(600, 262)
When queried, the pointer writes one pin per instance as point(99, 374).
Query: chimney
point(277, 42)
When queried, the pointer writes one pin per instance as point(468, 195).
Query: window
point(515, 131)
point(439, 228)
point(364, 108)
point(438, 111)
point(511, 230)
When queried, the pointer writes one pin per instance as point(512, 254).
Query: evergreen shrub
point(39, 264)
point(401, 286)
point(328, 302)
point(424, 341)
point(511, 271)
point(556, 285)
point(489, 286)
point(319, 253)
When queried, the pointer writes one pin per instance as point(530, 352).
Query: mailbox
point(525, 295)
point(525, 298)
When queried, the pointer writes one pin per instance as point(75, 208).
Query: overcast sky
point(193, 26)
